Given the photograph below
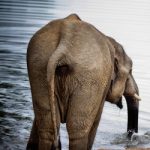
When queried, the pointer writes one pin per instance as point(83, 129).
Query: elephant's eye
point(116, 66)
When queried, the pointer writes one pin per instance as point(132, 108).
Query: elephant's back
point(87, 49)
point(84, 46)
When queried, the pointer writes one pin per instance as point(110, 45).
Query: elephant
point(73, 68)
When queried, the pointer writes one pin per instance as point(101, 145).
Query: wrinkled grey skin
point(123, 84)
point(72, 70)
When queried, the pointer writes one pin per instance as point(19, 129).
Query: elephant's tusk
point(137, 97)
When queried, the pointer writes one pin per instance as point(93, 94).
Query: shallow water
point(127, 21)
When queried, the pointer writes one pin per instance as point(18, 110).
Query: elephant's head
point(123, 84)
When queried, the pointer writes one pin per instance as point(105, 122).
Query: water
point(127, 21)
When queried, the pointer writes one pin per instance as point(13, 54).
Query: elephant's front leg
point(83, 108)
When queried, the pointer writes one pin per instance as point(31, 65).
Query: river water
point(127, 21)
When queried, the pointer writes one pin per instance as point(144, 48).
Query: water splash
point(135, 141)
point(120, 139)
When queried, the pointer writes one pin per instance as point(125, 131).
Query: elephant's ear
point(119, 54)
point(122, 63)
point(122, 66)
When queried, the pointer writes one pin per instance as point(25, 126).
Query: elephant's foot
point(32, 146)
point(44, 146)
point(78, 144)
point(58, 147)
point(130, 133)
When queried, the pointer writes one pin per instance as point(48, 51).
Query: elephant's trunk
point(131, 95)
point(133, 110)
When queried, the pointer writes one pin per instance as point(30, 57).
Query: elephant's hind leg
point(93, 130)
point(83, 108)
point(42, 109)
point(33, 140)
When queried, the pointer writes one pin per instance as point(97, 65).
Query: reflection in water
point(19, 20)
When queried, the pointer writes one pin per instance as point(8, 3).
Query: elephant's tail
point(53, 63)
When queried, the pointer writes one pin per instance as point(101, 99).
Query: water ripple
point(19, 20)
